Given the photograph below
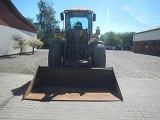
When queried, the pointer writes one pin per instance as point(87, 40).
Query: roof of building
point(151, 29)
point(18, 14)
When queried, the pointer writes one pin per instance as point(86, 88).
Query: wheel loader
point(76, 64)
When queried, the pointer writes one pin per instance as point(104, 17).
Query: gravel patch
point(25, 64)
point(130, 64)
point(125, 63)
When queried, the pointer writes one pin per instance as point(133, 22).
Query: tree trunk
point(21, 51)
point(33, 50)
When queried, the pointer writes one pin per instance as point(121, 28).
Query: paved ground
point(138, 76)
point(25, 64)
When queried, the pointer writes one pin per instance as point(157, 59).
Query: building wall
point(150, 35)
point(12, 18)
point(7, 43)
point(147, 42)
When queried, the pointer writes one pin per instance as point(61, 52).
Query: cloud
point(107, 16)
point(137, 16)
point(126, 8)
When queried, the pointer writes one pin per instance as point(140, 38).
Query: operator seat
point(78, 26)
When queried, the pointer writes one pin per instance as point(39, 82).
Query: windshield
point(78, 18)
point(83, 21)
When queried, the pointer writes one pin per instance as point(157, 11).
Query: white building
point(13, 23)
point(147, 41)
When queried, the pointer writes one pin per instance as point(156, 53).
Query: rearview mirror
point(62, 16)
point(94, 17)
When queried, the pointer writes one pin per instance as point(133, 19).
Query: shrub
point(34, 43)
point(19, 42)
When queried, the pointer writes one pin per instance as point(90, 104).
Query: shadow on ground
point(20, 90)
point(15, 55)
point(148, 53)
point(7, 57)
point(29, 53)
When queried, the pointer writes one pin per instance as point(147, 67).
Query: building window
point(159, 43)
point(135, 43)
point(152, 43)
point(144, 43)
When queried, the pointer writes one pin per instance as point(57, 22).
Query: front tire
point(98, 55)
point(55, 54)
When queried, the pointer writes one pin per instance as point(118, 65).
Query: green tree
point(30, 20)
point(111, 38)
point(127, 37)
point(19, 42)
point(47, 23)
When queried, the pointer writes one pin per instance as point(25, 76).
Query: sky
point(112, 15)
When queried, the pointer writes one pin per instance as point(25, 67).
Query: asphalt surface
point(138, 76)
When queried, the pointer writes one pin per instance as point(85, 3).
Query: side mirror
point(94, 17)
point(62, 16)
point(97, 30)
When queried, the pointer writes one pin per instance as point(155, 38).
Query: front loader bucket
point(84, 84)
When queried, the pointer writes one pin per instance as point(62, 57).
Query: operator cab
point(78, 19)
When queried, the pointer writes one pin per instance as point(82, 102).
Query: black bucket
point(95, 84)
